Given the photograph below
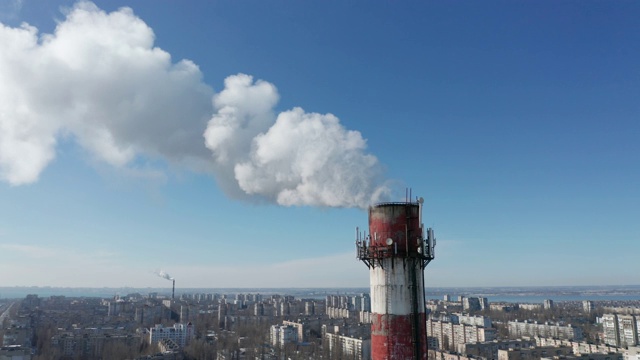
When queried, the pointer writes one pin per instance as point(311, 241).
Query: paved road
point(5, 314)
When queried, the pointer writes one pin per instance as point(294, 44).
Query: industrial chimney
point(173, 291)
point(396, 251)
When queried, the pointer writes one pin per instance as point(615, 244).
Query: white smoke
point(296, 158)
point(99, 80)
point(164, 275)
point(310, 159)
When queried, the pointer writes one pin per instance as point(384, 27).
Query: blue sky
point(518, 122)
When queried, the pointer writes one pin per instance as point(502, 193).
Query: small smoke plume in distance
point(99, 80)
point(164, 275)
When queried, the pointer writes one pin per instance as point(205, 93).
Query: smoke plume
point(164, 275)
point(292, 158)
point(99, 80)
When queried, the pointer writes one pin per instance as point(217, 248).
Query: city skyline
point(236, 144)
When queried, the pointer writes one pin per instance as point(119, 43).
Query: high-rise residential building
point(258, 309)
point(471, 304)
point(283, 334)
point(342, 306)
point(185, 314)
point(348, 347)
point(530, 306)
point(484, 303)
point(181, 334)
point(610, 329)
point(448, 335)
point(621, 330)
point(579, 347)
point(628, 310)
point(223, 308)
point(285, 308)
point(518, 329)
point(445, 317)
point(548, 304)
point(309, 308)
point(476, 320)
point(587, 306)
point(535, 353)
point(489, 349)
point(31, 301)
point(365, 302)
point(305, 327)
point(628, 331)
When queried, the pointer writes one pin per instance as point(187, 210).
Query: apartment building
point(621, 330)
point(477, 320)
point(448, 335)
point(579, 347)
point(489, 349)
point(518, 329)
point(347, 347)
point(180, 334)
point(281, 335)
point(534, 353)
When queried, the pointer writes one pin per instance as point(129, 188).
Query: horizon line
point(320, 287)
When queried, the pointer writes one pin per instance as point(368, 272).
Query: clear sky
point(236, 143)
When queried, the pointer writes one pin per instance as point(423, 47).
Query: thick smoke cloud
point(309, 158)
point(292, 158)
point(99, 80)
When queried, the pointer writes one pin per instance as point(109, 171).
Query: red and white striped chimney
point(396, 251)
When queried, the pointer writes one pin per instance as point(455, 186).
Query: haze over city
point(238, 144)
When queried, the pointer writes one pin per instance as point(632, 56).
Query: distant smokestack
point(164, 275)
